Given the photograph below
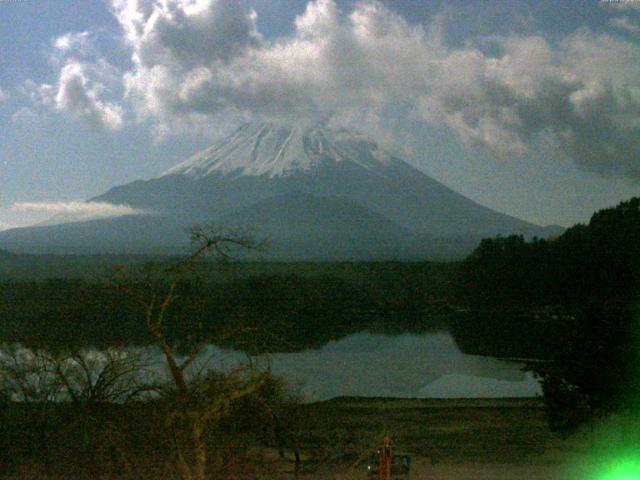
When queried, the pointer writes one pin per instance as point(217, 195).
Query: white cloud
point(194, 60)
point(77, 42)
point(62, 212)
point(40, 95)
point(188, 32)
point(176, 46)
point(628, 5)
point(78, 93)
point(82, 208)
point(331, 63)
point(87, 85)
point(3, 96)
point(625, 23)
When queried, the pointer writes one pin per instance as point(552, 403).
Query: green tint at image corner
point(627, 468)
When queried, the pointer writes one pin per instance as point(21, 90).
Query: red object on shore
point(385, 456)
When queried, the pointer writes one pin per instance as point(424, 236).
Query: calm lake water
point(406, 366)
point(364, 364)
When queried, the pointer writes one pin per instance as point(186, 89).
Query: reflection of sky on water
point(406, 365)
point(363, 364)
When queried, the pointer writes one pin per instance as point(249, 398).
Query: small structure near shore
point(387, 464)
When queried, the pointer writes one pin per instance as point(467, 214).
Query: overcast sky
point(529, 107)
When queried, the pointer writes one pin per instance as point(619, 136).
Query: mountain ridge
point(342, 186)
point(257, 149)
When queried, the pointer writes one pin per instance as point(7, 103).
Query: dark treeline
point(584, 286)
point(595, 261)
point(269, 311)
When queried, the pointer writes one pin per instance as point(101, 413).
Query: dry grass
point(447, 439)
point(467, 439)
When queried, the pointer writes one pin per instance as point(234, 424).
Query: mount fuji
point(316, 192)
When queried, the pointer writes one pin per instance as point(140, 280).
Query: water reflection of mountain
point(406, 365)
point(427, 365)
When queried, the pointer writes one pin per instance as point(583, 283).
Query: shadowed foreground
point(447, 439)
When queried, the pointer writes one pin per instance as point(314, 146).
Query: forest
point(566, 304)
point(587, 281)
point(286, 307)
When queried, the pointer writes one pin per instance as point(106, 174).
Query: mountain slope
point(300, 226)
point(318, 192)
point(160, 234)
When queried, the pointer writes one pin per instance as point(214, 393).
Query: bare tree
point(28, 376)
point(43, 381)
point(79, 376)
point(110, 375)
point(197, 402)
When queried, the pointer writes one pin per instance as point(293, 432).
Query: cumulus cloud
point(177, 46)
point(331, 63)
point(79, 91)
point(3, 96)
point(84, 82)
point(79, 94)
point(196, 59)
point(75, 211)
point(581, 96)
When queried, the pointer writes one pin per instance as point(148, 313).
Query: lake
point(427, 365)
point(405, 366)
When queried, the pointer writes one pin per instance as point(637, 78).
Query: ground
point(505, 439)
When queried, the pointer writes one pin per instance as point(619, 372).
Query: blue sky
point(529, 107)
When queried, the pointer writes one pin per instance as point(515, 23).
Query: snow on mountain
point(317, 192)
point(258, 149)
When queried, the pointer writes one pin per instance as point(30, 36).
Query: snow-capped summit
point(316, 192)
point(257, 149)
